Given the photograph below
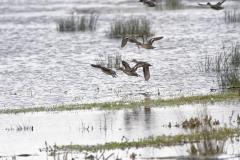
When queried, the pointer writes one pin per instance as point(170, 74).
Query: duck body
point(215, 6)
point(145, 67)
point(128, 70)
point(147, 44)
point(149, 3)
point(105, 70)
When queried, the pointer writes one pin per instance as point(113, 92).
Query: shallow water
point(63, 128)
point(43, 67)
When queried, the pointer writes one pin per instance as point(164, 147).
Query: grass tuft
point(169, 4)
point(76, 23)
point(232, 16)
point(133, 26)
point(111, 61)
point(226, 66)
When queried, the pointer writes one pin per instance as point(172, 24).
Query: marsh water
point(41, 66)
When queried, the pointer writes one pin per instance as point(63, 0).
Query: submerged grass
point(132, 104)
point(220, 134)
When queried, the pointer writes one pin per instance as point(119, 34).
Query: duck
point(149, 3)
point(105, 70)
point(147, 44)
point(128, 70)
point(215, 6)
point(145, 66)
point(128, 39)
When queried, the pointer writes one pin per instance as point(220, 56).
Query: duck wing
point(146, 73)
point(144, 37)
point(154, 39)
point(221, 2)
point(126, 65)
point(124, 41)
point(96, 65)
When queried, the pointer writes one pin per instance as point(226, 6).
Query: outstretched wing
point(221, 2)
point(144, 37)
point(96, 65)
point(126, 65)
point(146, 73)
point(154, 39)
point(124, 41)
point(202, 4)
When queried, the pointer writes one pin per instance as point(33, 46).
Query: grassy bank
point(211, 98)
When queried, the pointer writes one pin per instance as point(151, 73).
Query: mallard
point(145, 66)
point(215, 6)
point(105, 70)
point(149, 3)
point(147, 44)
point(128, 70)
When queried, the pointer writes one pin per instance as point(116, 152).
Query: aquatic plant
point(133, 26)
point(111, 61)
point(18, 127)
point(169, 4)
point(232, 16)
point(173, 4)
point(76, 23)
point(217, 135)
point(225, 65)
point(211, 98)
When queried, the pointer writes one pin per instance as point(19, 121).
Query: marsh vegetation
point(77, 23)
point(169, 4)
point(203, 137)
point(211, 98)
point(110, 60)
point(132, 26)
point(225, 65)
point(232, 15)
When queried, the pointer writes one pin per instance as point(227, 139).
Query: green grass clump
point(125, 104)
point(133, 26)
point(76, 23)
point(217, 135)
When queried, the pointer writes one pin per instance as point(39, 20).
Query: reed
point(169, 4)
point(77, 23)
point(133, 26)
point(225, 64)
point(232, 16)
point(173, 4)
point(110, 61)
